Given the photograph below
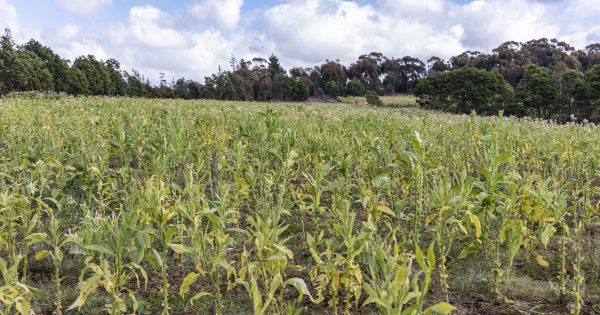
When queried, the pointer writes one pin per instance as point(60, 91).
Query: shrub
point(334, 89)
point(355, 88)
point(373, 99)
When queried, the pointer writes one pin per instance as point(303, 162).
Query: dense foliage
point(149, 206)
point(373, 99)
point(465, 90)
point(546, 79)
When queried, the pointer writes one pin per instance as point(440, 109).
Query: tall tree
point(97, 75)
point(402, 75)
point(575, 94)
point(58, 67)
point(21, 70)
point(332, 71)
point(275, 67)
point(367, 69)
point(78, 83)
point(437, 64)
point(592, 78)
point(113, 67)
point(536, 91)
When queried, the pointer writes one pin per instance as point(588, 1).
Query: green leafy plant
point(263, 271)
point(392, 286)
point(114, 262)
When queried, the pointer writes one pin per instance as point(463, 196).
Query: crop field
point(121, 206)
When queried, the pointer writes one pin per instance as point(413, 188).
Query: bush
point(355, 88)
point(464, 90)
point(373, 99)
point(334, 89)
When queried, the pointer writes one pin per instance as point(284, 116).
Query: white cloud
point(583, 9)
point(304, 31)
point(69, 42)
point(583, 38)
point(147, 28)
point(153, 42)
point(8, 16)
point(487, 23)
point(193, 43)
point(224, 14)
point(593, 36)
point(82, 48)
point(64, 34)
point(411, 7)
point(83, 7)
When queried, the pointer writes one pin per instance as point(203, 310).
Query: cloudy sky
point(192, 38)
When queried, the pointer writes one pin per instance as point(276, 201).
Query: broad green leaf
point(419, 257)
point(300, 285)
point(35, 238)
point(471, 249)
point(157, 258)
point(502, 236)
point(370, 300)
point(181, 249)
point(136, 255)
point(431, 256)
point(99, 248)
point(142, 240)
point(198, 296)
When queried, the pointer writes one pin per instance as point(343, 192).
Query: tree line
point(35, 67)
point(542, 78)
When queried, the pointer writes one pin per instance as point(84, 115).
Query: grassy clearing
point(185, 207)
point(398, 101)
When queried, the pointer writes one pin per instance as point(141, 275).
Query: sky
point(192, 38)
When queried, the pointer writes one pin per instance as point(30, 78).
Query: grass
point(398, 101)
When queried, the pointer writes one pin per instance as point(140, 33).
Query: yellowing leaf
point(440, 308)
point(546, 234)
point(475, 220)
point(385, 209)
point(300, 285)
point(187, 281)
point(502, 235)
point(42, 254)
point(541, 261)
